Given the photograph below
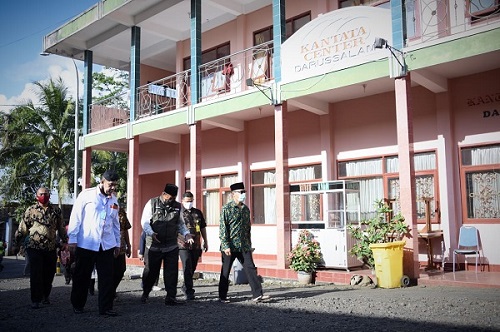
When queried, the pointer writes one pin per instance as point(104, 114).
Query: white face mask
point(188, 205)
point(242, 197)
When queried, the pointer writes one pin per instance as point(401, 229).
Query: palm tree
point(37, 143)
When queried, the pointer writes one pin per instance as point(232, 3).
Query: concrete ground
point(324, 307)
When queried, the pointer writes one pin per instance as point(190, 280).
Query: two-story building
point(402, 96)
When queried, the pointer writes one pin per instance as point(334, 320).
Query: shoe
point(109, 313)
point(78, 310)
point(261, 298)
point(46, 301)
point(190, 297)
point(224, 300)
point(144, 299)
point(35, 305)
point(173, 301)
point(156, 288)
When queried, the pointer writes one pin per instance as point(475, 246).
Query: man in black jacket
point(161, 220)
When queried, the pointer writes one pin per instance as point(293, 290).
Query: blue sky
point(25, 23)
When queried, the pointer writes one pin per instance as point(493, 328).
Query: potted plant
point(379, 229)
point(305, 256)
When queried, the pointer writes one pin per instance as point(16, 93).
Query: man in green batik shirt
point(235, 242)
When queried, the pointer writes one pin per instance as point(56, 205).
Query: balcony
point(109, 112)
point(428, 21)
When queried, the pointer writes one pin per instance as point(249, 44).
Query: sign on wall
point(336, 40)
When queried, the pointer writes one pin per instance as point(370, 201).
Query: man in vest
point(161, 221)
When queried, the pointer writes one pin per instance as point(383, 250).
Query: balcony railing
point(429, 20)
point(218, 78)
point(110, 112)
point(164, 95)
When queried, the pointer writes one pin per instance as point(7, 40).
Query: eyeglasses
point(43, 194)
point(240, 191)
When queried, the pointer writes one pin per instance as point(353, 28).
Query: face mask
point(43, 199)
point(188, 205)
point(242, 197)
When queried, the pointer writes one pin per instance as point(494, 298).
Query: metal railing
point(429, 20)
point(164, 95)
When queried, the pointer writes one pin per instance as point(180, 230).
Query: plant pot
point(304, 278)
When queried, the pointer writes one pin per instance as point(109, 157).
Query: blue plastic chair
point(468, 244)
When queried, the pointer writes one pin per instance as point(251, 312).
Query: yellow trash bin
point(388, 263)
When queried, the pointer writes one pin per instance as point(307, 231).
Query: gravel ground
point(292, 308)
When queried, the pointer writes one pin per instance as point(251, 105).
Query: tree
point(111, 85)
point(37, 145)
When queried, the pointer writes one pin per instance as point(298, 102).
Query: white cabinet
point(326, 208)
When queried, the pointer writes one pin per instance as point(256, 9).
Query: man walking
point(161, 221)
point(94, 237)
point(235, 242)
point(191, 253)
point(38, 230)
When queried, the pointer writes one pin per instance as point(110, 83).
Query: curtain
point(483, 187)
point(270, 198)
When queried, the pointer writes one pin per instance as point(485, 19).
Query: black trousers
point(170, 261)
point(120, 266)
point(246, 259)
point(84, 264)
point(189, 259)
point(42, 270)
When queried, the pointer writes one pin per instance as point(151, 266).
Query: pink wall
point(151, 74)
point(220, 148)
point(261, 140)
point(473, 96)
point(157, 157)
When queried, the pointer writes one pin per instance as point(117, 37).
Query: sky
point(25, 23)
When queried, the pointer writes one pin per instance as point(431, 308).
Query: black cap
point(110, 175)
point(237, 186)
point(171, 189)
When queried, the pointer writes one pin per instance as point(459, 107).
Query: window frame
point(464, 170)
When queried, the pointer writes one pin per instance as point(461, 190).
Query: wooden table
point(428, 236)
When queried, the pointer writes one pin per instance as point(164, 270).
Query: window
point(212, 78)
point(480, 177)
point(379, 179)
point(262, 57)
point(216, 193)
point(264, 190)
point(292, 25)
point(478, 9)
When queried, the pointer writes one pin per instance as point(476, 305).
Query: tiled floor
point(268, 268)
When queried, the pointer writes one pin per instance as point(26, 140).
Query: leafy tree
point(111, 86)
point(37, 145)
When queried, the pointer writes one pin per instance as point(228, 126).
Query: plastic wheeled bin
point(389, 264)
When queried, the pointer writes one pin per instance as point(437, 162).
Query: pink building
point(219, 95)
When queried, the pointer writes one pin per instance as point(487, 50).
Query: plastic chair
point(468, 244)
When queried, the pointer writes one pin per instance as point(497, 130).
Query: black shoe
point(78, 310)
point(46, 301)
point(144, 298)
point(109, 313)
point(173, 301)
point(190, 297)
point(35, 305)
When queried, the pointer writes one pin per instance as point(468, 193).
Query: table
point(428, 236)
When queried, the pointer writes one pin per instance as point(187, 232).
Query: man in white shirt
point(94, 237)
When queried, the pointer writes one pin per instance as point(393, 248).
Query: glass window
point(264, 193)
point(216, 193)
point(377, 184)
point(292, 25)
point(480, 173)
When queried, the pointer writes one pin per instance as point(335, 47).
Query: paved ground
point(292, 308)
